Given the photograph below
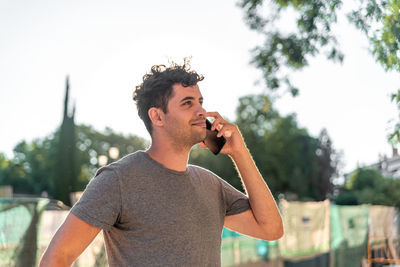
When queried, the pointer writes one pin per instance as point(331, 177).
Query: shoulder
point(112, 173)
point(197, 172)
point(137, 157)
point(126, 164)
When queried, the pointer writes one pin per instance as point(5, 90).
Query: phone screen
point(213, 142)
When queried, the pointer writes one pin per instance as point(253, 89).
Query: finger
point(218, 123)
point(226, 131)
point(214, 124)
point(213, 114)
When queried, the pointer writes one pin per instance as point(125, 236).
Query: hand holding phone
point(213, 142)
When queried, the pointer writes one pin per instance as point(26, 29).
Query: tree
point(364, 178)
point(313, 35)
point(380, 21)
point(64, 161)
point(65, 176)
point(328, 164)
point(293, 151)
point(292, 161)
point(37, 160)
point(33, 169)
point(13, 173)
point(291, 50)
point(285, 50)
point(91, 144)
point(369, 186)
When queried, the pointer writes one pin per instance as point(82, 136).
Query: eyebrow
point(190, 98)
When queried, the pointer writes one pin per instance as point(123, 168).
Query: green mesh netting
point(349, 230)
point(20, 221)
point(239, 249)
point(19, 225)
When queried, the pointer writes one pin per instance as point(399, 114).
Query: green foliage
point(379, 20)
point(28, 171)
point(65, 171)
point(346, 198)
point(369, 186)
point(91, 144)
point(12, 172)
point(364, 178)
point(77, 151)
point(33, 169)
point(285, 49)
point(329, 161)
point(289, 158)
point(291, 49)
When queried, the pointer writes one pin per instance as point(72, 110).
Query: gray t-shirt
point(154, 216)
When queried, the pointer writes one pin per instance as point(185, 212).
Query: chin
point(198, 138)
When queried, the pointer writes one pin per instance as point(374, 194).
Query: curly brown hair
point(156, 88)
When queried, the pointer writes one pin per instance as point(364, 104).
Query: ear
point(156, 116)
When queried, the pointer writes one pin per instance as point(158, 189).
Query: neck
point(171, 156)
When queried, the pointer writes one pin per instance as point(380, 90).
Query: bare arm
point(70, 240)
point(263, 220)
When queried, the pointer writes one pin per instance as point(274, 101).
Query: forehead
point(179, 92)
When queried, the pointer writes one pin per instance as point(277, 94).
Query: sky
point(105, 47)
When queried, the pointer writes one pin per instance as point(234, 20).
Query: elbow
point(280, 232)
point(273, 232)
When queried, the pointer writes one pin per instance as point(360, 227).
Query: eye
point(187, 103)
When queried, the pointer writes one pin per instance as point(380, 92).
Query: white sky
point(107, 46)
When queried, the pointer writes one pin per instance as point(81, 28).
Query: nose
point(201, 112)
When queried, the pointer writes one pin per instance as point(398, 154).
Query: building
point(389, 167)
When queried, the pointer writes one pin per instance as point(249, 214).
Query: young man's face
point(185, 118)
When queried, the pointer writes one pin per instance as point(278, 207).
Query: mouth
point(201, 123)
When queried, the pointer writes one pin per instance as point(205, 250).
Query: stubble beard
point(186, 140)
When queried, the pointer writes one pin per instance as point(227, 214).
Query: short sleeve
point(235, 201)
point(100, 203)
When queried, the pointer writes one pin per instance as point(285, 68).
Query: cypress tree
point(65, 178)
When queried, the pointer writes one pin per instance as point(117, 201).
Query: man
point(154, 208)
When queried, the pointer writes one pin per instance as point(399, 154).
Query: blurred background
point(313, 85)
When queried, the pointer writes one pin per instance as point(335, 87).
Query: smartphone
point(213, 142)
